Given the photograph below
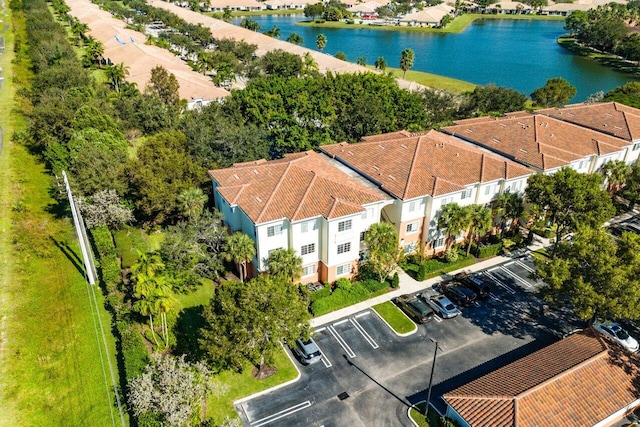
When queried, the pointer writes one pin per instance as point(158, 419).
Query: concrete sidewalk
point(409, 285)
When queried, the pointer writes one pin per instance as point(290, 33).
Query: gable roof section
point(576, 381)
point(301, 185)
point(535, 140)
point(611, 118)
point(412, 165)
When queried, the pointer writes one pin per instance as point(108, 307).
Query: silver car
point(307, 351)
point(616, 333)
point(442, 305)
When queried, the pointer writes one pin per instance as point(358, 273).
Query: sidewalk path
point(409, 285)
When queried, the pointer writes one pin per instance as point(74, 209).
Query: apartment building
point(425, 171)
point(542, 142)
point(301, 202)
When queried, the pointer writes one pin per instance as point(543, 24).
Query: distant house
point(424, 172)
point(288, 4)
point(234, 5)
point(543, 143)
point(509, 8)
point(304, 202)
point(365, 9)
point(582, 380)
point(428, 17)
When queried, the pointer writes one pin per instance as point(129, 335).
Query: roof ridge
point(482, 165)
point(304, 196)
point(333, 206)
point(471, 396)
point(564, 373)
point(413, 165)
point(275, 190)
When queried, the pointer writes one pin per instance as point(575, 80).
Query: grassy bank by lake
point(433, 80)
point(457, 25)
point(606, 59)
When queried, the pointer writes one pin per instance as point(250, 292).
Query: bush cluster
point(421, 270)
point(486, 251)
point(342, 296)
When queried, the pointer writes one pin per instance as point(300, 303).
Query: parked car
point(459, 294)
point(630, 227)
point(307, 351)
point(478, 283)
point(415, 308)
point(442, 305)
point(618, 334)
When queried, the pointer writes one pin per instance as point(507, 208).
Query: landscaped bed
point(400, 323)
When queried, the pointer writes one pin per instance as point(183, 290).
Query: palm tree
point(309, 64)
point(79, 29)
point(361, 60)
point(95, 50)
point(321, 41)
point(147, 307)
point(616, 173)
point(250, 25)
point(240, 249)
point(204, 61)
point(146, 269)
point(191, 202)
point(479, 223)
point(226, 15)
point(273, 32)
point(407, 57)
point(164, 302)
point(454, 219)
point(295, 39)
point(116, 74)
point(286, 263)
point(341, 56)
point(509, 206)
point(381, 64)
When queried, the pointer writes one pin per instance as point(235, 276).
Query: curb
point(415, 327)
point(274, 388)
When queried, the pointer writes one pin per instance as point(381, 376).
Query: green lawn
point(395, 318)
point(51, 370)
point(130, 240)
point(433, 80)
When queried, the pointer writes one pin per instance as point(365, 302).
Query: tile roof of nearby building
point(123, 45)
point(432, 14)
point(301, 185)
point(609, 117)
point(412, 165)
point(535, 140)
point(578, 381)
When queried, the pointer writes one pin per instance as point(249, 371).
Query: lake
point(521, 54)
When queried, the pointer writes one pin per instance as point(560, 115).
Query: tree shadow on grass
point(187, 331)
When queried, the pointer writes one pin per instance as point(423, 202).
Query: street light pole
point(433, 367)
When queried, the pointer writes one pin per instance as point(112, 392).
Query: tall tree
point(226, 15)
point(555, 93)
point(191, 202)
point(247, 322)
point(598, 277)
point(240, 249)
point(407, 57)
point(309, 65)
point(616, 173)
point(453, 219)
point(116, 74)
point(95, 50)
point(361, 60)
point(250, 24)
point(165, 85)
point(508, 208)
point(285, 263)
point(570, 199)
point(479, 223)
point(381, 64)
point(273, 32)
point(321, 41)
point(382, 244)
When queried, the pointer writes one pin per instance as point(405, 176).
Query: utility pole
point(433, 367)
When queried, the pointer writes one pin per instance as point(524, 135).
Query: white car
point(616, 333)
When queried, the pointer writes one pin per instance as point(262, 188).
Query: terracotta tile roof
point(610, 117)
point(411, 165)
point(578, 381)
point(301, 185)
point(535, 140)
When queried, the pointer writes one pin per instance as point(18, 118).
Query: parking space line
point(362, 314)
point(341, 322)
point(438, 318)
point(364, 333)
point(281, 414)
point(476, 304)
point(320, 329)
point(499, 282)
point(515, 276)
point(494, 297)
point(342, 342)
point(325, 360)
point(525, 266)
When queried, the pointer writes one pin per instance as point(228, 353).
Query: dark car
point(479, 284)
point(459, 294)
point(415, 308)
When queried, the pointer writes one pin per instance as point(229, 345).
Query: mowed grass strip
point(394, 317)
point(51, 373)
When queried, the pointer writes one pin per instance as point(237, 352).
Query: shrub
point(452, 255)
point(395, 281)
point(373, 285)
point(134, 352)
point(340, 298)
point(486, 250)
point(320, 293)
point(344, 284)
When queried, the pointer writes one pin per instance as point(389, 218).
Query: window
point(308, 249)
point(344, 248)
point(439, 242)
point(413, 227)
point(271, 250)
point(466, 193)
point(517, 186)
point(274, 230)
point(488, 190)
point(410, 248)
point(412, 206)
point(343, 269)
point(344, 226)
point(309, 225)
point(636, 146)
point(308, 270)
point(362, 236)
point(446, 201)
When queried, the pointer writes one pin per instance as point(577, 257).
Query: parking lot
point(370, 376)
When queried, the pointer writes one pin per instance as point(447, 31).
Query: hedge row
point(429, 266)
point(486, 250)
point(345, 293)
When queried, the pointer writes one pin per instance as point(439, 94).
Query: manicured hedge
point(341, 297)
point(108, 263)
point(134, 353)
point(486, 250)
